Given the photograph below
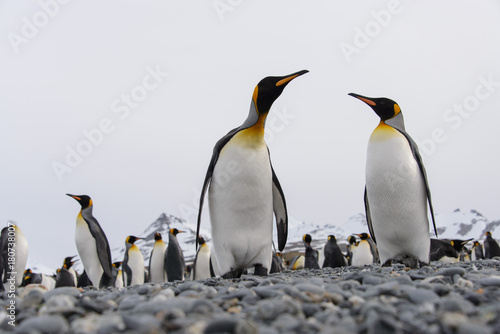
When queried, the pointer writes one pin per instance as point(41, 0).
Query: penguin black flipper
point(102, 245)
point(208, 177)
point(398, 124)
point(369, 217)
point(280, 211)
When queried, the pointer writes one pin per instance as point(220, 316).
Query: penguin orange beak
point(365, 99)
point(75, 197)
point(290, 77)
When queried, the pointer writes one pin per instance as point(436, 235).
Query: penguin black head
point(157, 236)
point(84, 200)
point(352, 240)
point(201, 241)
point(269, 89)
point(459, 244)
point(475, 244)
point(117, 264)
point(331, 237)
point(68, 262)
point(363, 236)
point(488, 234)
point(175, 231)
point(131, 239)
point(385, 108)
point(307, 239)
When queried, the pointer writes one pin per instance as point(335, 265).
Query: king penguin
point(4, 256)
point(397, 191)
point(373, 246)
point(491, 248)
point(333, 255)
point(244, 190)
point(311, 255)
point(477, 251)
point(156, 261)
point(68, 266)
point(362, 253)
point(117, 275)
point(175, 266)
point(92, 244)
point(21, 249)
point(133, 263)
point(352, 244)
point(201, 264)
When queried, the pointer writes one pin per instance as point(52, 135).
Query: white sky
point(70, 74)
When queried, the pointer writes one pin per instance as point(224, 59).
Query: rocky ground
point(440, 298)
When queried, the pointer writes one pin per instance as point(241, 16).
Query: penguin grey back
point(333, 255)
point(174, 258)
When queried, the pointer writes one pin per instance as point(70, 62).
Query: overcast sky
point(124, 101)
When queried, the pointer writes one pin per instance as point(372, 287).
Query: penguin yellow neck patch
point(383, 132)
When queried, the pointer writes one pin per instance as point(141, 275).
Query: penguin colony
point(242, 210)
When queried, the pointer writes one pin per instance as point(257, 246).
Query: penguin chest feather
point(136, 265)
point(157, 270)
point(202, 269)
point(87, 249)
point(362, 255)
point(241, 204)
point(397, 196)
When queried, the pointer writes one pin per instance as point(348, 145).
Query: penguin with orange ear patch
point(397, 194)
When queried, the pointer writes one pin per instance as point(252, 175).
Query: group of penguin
point(365, 252)
point(245, 197)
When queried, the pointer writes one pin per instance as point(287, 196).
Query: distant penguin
point(465, 254)
point(133, 263)
point(297, 262)
point(397, 192)
point(68, 265)
point(352, 243)
point(30, 277)
point(373, 246)
point(117, 275)
point(241, 206)
point(491, 248)
point(157, 272)
point(277, 264)
point(333, 255)
point(362, 253)
point(311, 255)
point(84, 280)
point(92, 244)
point(64, 278)
point(201, 264)
point(477, 251)
point(459, 244)
point(174, 258)
point(21, 251)
point(443, 251)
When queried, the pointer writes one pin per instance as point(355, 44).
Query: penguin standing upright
point(117, 275)
point(352, 243)
point(175, 266)
point(92, 244)
point(67, 275)
point(4, 262)
point(133, 263)
point(362, 254)
point(373, 246)
point(311, 255)
point(333, 255)
point(21, 251)
point(397, 191)
point(491, 248)
point(244, 190)
point(277, 264)
point(201, 264)
point(157, 261)
point(477, 251)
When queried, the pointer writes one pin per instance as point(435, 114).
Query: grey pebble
point(45, 324)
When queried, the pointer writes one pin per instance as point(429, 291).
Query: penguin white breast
point(21, 245)
point(156, 270)
point(136, 264)
point(362, 254)
point(241, 204)
point(202, 269)
point(119, 280)
point(397, 196)
point(87, 249)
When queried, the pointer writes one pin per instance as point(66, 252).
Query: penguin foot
point(387, 263)
point(233, 274)
point(260, 270)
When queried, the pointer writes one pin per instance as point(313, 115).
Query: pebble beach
point(459, 298)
